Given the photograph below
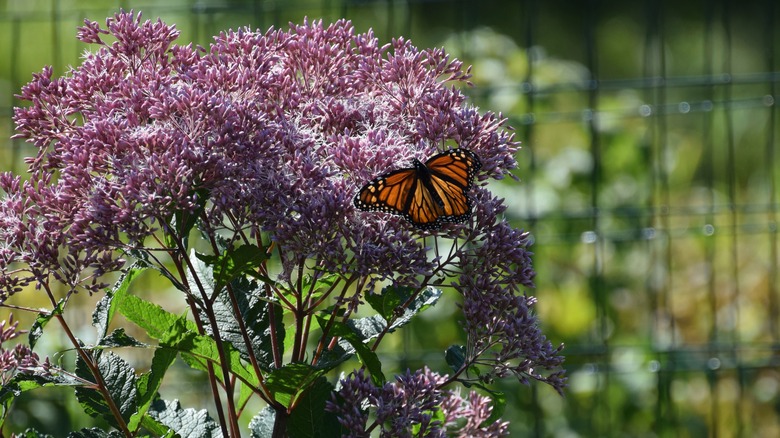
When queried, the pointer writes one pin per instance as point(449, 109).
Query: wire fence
point(649, 180)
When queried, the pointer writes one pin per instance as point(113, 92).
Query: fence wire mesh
point(649, 179)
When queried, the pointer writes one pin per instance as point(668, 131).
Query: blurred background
point(649, 175)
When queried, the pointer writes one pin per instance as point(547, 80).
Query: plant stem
point(265, 394)
point(211, 373)
point(180, 258)
point(224, 363)
point(93, 368)
point(280, 423)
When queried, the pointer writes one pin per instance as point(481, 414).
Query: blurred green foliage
point(648, 178)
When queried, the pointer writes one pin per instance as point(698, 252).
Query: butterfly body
point(424, 178)
point(427, 194)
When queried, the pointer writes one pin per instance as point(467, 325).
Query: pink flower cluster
point(413, 400)
point(269, 134)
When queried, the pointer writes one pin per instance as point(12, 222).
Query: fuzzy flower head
point(414, 401)
point(19, 358)
point(265, 136)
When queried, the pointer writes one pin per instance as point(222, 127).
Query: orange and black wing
point(427, 195)
point(389, 193)
point(451, 177)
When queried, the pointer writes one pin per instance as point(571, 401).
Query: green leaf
point(196, 350)
point(256, 316)
point(156, 321)
point(118, 338)
point(299, 425)
point(264, 326)
point(26, 382)
point(369, 327)
point(262, 424)
point(105, 308)
point(389, 303)
point(308, 418)
point(179, 336)
point(389, 300)
point(201, 276)
point(287, 382)
point(233, 262)
point(244, 394)
point(36, 331)
point(120, 382)
point(499, 406)
point(455, 356)
point(178, 333)
point(32, 433)
point(331, 358)
point(95, 433)
point(149, 383)
point(119, 379)
point(143, 260)
point(185, 422)
point(425, 299)
point(156, 428)
point(367, 357)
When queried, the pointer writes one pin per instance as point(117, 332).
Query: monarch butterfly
point(427, 195)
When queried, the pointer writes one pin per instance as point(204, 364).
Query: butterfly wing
point(451, 177)
point(389, 193)
point(427, 195)
point(425, 210)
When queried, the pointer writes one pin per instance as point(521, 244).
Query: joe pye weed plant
point(232, 172)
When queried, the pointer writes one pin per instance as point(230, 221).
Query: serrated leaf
point(232, 263)
point(101, 316)
point(25, 382)
point(118, 338)
point(179, 336)
point(389, 300)
point(149, 383)
point(455, 356)
point(201, 276)
point(262, 424)
point(331, 358)
point(32, 433)
point(366, 329)
point(264, 326)
point(287, 382)
point(369, 327)
point(308, 418)
point(105, 308)
point(256, 316)
point(120, 382)
point(185, 422)
point(421, 302)
point(143, 260)
point(388, 303)
point(367, 357)
point(43, 318)
point(94, 433)
point(156, 321)
point(196, 350)
point(178, 333)
point(155, 428)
